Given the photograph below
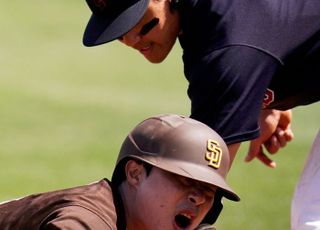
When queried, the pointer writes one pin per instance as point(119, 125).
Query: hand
point(275, 133)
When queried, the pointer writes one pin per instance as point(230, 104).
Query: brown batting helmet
point(180, 145)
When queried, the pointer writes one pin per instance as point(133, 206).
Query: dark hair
point(119, 174)
point(174, 4)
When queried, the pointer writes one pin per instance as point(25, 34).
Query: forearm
point(233, 149)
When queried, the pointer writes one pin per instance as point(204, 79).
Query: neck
point(129, 204)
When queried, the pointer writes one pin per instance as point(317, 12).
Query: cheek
point(160, 193)
point(157, 205)
point(206, 207)
point(209, 204)
point(162, 42)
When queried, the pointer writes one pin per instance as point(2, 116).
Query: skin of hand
point(275, 133)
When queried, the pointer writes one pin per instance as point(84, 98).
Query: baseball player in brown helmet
point(170, 174)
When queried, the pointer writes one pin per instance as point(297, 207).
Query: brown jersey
point(95, 206)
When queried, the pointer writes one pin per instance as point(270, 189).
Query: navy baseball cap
point(111, 19)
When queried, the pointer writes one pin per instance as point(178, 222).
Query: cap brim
point(192, 171)
point(100, 30)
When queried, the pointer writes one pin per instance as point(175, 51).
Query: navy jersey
point(241, 56)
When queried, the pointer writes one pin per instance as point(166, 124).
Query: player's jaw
point(153, 50)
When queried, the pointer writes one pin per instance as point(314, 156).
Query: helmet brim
point(192, 171)
point(106, 28)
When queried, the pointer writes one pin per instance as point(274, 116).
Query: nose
point(131, 38)
point(196, 197)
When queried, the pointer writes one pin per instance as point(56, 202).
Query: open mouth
point(183, 221)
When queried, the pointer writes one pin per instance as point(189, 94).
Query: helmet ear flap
point(215, 210)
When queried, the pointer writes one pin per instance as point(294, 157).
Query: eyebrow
point(149, 26)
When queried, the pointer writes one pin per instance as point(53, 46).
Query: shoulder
point(90, 207)
point(77, 217)
point(95, 199)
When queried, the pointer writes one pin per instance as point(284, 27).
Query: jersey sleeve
point(227, 87)
point(75, 217)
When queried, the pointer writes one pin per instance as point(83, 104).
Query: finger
point(281, 137)
point(278, 140)
point(272, 145)
point(266, 160)
point(289, 134)
point(254, 149)
point(285, 119)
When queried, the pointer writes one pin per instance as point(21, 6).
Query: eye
point(146, 28)
point(208, 190)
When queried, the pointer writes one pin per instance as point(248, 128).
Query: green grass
point(65, 110)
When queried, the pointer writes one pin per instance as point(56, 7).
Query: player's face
point(171, 202)
point(156, 33)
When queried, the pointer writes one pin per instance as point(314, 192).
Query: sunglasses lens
point(149, 26)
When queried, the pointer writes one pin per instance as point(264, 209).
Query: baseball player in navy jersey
point(247, 62)
point(170, 174)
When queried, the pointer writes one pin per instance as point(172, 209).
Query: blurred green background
point(65, 110)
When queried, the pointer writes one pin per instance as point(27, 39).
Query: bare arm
point(233, 149)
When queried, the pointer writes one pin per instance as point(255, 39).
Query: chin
point(156, 60)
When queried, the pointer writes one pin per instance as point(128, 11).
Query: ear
point(135, 172)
